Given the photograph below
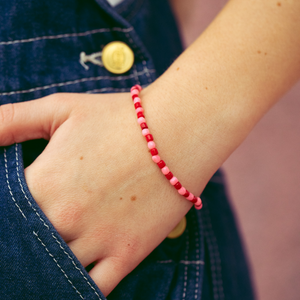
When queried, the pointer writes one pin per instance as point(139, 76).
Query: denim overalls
point(40, 46)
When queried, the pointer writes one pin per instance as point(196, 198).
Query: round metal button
point(178, 230)
point(117, 57)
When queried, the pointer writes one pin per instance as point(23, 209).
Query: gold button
point(117, 57)
point(178, 230)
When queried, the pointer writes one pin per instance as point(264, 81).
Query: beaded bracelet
point(135, 90)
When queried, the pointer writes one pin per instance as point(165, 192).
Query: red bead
point(140, 115)
point(178, 185)
point(169, 175)
point(143, 125)
point(199, 206)
point(161, 164)
point(186, 194)
point(194, 200)
point(154, 152)
point(138, 87)
point(138, 104)
point(134, 96)
point(149, 137)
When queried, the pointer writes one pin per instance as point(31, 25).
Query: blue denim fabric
point(40, 46)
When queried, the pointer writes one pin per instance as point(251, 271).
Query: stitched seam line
point(74, 82)
point(135, 72)
point(133, 45)
point(58, 265)
point(54, 237)
point(215, 260)
point(60, 245)
point(6, 170)
point(197, 258)
point(19, 180)
point(147, 71)
point(107, 89)
point(66, 35)
point(7, 181)
point(111, 89)
point(200, 224)
point(187, 246)
point(185, 262)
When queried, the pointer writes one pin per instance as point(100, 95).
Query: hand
point(95, 180)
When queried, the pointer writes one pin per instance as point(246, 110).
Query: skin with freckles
point(221, 76)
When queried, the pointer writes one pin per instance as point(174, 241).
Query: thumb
point(30, 120)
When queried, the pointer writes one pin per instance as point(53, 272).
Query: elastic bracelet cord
point(135, 90)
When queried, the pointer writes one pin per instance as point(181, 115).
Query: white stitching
point(7, 181)
point(147, 71)
point(215, 261)
point(60, 36)
point(200, 283)
point(133, 45)
point(130, 39)
point(192, 262)
point(136, 75)
point(6, 170)
point(166, 261)
point(197, 258)
point(22, 189)
point(19, 180)
point(58, 265)
point(60, 245)
point(74, 82)
point(185, 262)
point(110, 89)
point(186, 266)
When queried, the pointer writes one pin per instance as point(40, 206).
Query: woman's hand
point(95, 180)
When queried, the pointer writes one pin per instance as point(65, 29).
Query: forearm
point(204, 106)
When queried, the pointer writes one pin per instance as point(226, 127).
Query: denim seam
point(7, 181)
point(215, 260)
point(126, 7)
point(107, 89)
point(200, 223)
point(19, 180)
point(119, 78)
point(60, 36)
point(111, 89)
point(9, 188)
point(137, 8)
point(60, 245)
point(185, 262)
point(53, 236)
point(52, 256)
point(133, 45)
point(187, 246)
point(147, 71)
point(135, 72)
point(197, 258)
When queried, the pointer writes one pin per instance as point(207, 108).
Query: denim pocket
point(35, 262)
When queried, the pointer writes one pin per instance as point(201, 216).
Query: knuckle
point(67, 218)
